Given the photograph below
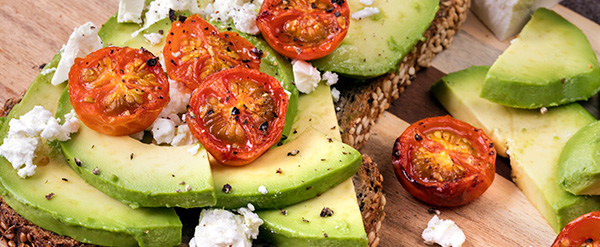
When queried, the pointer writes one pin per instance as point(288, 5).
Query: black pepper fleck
point(65, 179)
point(49, 196)
point(293, 152)
point(96, 171)
point(77, 161)
point(226, 188)
point(418, 137)
point(152, 62)
point(326, 212)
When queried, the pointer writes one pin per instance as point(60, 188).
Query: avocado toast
point(389, 87)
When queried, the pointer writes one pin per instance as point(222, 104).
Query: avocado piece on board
point(137, 173)
point(550, 63)
point(376, 45)
point(532, 140)
point(75, 208)
point(302, 224)
point(579, 162)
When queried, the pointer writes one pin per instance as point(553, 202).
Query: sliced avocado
point(301, 224)
point(579, 163)
point(296, 171)
point(136, 173)
point(550, 63)
point(75, 208)
point(376, 45)
point(532, 140)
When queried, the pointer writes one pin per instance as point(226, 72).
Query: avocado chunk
point(136, 173)
point(579, 162)
point(532, 140)
point(75, 208)
point(302, 224)
point(550, 63)
point(376, 45)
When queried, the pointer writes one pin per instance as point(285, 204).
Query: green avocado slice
point(75, 208)
point(376, 45)
point(579, 162)
point(550, 63)
point(301, 224)
point(532, 140)
point(136, 173)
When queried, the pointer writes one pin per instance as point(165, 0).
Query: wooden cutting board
point(32, 31)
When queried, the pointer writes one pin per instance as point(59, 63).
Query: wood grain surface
point(31, 32)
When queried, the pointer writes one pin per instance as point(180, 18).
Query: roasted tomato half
point(581, 232)
point(238, 114)
point(118, 91)
point(195, 49)
point(444, 162)
point(304, 29)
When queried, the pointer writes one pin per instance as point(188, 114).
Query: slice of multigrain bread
point(357, 110)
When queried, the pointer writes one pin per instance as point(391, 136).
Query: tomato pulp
point(238, 114)
point(118, 91)
point(303, 29)
point(581, 232)
point(444, 162)
point(195, 49)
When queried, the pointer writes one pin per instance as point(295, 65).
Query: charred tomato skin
point(238, 114)
point(444, 162)
point(118, 91)
point(582, 231)
point(195, 49)
point(302, 29)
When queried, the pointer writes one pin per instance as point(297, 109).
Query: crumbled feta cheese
point(506, 18)
point(159, 9)
point(367, 2)
point(443, 232)
point(306, 77)
point(25, 136)
point(183, 137)
point(242, 12)
point(130, 11)
point(335, 94)
point(262, 189)
point(179, 98)
point(365, 13)
point(194, 149)
point(330, 78)
point(219, 227)
point(47, 71)
point(153, 38)
point(82, 41)
point(163, 130)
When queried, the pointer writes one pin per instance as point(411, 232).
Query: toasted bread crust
point(357, 110)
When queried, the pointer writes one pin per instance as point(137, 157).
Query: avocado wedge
point(579, 162)
point(57, 199)
point(376, 45)
point(532, 140)
point(550, 63)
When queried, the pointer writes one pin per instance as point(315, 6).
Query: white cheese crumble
point(130, 11)
point(82, 41)
point(330, 78)
point(47, 71)
point(159, 9)
point(26, 134)
point(443, 232)
point(163, 130)
point(367, 2)
point(306, 77)
point(365, 13)
point(506, 18)
point(219, 227)
point(262, 189)
point(153, 38)
point(194, 149)
point(242, 12)
point(335, 94)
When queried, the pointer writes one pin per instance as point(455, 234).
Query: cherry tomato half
point(118, 91)
point(238, 114)
point(444, 162)
point(304, 29)
point(195, 49)
point(581, 232)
